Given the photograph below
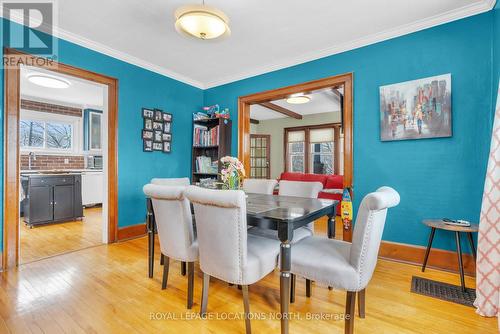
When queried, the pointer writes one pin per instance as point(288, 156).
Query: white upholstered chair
point(175, 230)
point(227, 252)
point(180, 181)
point(259, 186)
point(343, 265)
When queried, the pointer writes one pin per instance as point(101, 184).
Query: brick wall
point(50, 108)
point(44, 162)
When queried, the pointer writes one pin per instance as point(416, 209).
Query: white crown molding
point(429, 22)
point(432, 21)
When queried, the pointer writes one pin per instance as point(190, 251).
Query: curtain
point(488, 249)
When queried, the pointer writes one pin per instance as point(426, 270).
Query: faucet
point(31, 155)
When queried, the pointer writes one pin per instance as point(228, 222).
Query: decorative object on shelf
point(232, 172)
point(156, 133)
point(416, 109)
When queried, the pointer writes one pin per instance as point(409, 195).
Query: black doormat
point(444, 291)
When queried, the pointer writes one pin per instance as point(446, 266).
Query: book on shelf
point(203, 136)
point(205, 164)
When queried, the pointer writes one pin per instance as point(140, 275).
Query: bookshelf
point(211, 141)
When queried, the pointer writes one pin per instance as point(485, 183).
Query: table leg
point(331, 225)
point(151, 237)
point(472, 248)
point(460, 263)
point(429, 245)
point(285, 255)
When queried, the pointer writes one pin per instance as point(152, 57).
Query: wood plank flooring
point(105, 289)
point(48, 240)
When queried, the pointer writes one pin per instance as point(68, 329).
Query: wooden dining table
point(281, 213)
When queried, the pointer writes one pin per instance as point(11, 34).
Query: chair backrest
point(221, 225)
point(174, 221)
point(300, 189)
point(259, 186)
point(368, 230)
point(181, 181)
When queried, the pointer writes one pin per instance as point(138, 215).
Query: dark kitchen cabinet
point(51, 198)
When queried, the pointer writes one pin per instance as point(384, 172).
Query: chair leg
point(361, 303)
point(292, 288)
point(204, 295)
point(349, 312)
point(183, 268)
point(246, 306)
point(162, 259)
point(166, 262)
point(190, 270)
point(308, 288)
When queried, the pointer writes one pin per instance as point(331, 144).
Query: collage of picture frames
point(156, 133)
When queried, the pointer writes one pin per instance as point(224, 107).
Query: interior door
point(63, 202)
point(260, 156)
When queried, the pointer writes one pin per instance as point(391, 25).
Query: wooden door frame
point(12, 99)
point(268, 153)
point(244, 103)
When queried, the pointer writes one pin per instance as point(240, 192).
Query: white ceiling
point(265, 35)
point(321, 102)
point(81, 93)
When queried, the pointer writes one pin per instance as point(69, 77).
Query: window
point(313, 149)
point(48, 132)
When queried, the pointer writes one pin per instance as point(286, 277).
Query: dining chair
point(259, 186)
point(175, 230)
point(227, 251)
point(172, 181)
point(344, 265)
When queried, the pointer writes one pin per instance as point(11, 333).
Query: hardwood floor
point(44, 241)
point(105, 289)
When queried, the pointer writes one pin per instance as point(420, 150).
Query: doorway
point(60, 186)
point(260, 156)
point(312, 141)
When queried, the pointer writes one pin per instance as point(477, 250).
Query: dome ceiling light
point(49, 81)
point(201, 21)
point(298, 99)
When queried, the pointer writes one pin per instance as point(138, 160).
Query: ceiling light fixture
point(201, 21)
point(298, 99)
point(46, 80)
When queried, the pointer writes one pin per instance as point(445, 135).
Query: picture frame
point(148, 124)
point(158, 136)
point(167, 147)
point(167, 127)
point(158, 126)
point(147, 145)
point(147, 113)
point(146, 134)
point(157, 146)
point(167, 117)
point(166, 137)
point(158, 115)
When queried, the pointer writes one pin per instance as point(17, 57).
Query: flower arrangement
point(232, 172)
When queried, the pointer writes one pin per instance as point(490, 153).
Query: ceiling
point(321, 101)
point(81, 93)
point(265, 35)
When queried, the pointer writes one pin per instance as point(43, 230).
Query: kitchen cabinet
point(92, 188)
point(51, 198)
point(92, 130)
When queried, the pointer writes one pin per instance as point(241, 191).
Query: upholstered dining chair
point(343, 265)
point(179, 181)
point(227, 251)
point(259, 186)
point(175, 230)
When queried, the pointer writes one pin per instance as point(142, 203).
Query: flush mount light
point(201, 21)
point(298, 99)
point(46, 80)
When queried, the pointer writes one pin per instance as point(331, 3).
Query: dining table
point(281, 213)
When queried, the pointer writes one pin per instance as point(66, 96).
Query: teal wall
point(139, 88)
point(435, 177)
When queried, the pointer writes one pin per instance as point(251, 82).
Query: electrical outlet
point(66, 161)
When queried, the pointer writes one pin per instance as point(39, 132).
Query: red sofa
point(332, 184)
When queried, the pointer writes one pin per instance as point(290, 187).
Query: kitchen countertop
point(59, 171)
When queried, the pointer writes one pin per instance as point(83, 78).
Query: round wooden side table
point(439, 224)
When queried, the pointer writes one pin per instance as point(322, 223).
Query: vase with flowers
point(232, 173)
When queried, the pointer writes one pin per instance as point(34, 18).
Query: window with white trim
point(296, 151)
